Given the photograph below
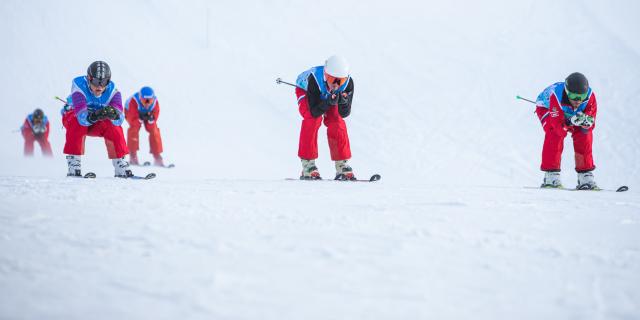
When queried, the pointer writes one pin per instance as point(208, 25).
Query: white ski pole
point(280, 81)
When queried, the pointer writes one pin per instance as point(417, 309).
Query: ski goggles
point(334, 80)
point(98, 82)
point(147, 101)
point(576, 96)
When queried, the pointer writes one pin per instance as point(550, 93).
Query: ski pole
point(279, 81)
point(525, 99)
point(58, 98)
point(66, 107)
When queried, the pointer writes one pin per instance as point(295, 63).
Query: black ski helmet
point(38, 114)
point(577, 83)
point(99, 73)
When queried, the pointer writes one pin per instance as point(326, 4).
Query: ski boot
point(133, 158)
point(586, 181)
point(551, 180)
point(74, 167)
point(157, 160)
point(344, 171)
point(309, 170)
point(121, 168)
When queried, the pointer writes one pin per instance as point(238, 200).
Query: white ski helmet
point(337, 66)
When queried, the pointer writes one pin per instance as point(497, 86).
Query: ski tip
point(171, 166)
point(89, 175)
point(146, 164)
point(622, 189)
point(147, 177)
point(375, 177)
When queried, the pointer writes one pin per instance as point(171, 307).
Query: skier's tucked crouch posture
point(36, 129)
point(568, 107)
point(325, 93)
point(141, 109)
point(96, 111)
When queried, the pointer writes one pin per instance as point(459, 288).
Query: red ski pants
point(76, 134)
point(336, 132)
point(133, 137)
point(30, 138)
point(554, 144)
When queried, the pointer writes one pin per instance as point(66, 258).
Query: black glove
point(146, 116)
point(96, 115)
point(111, 113)
point(333, 98)
point(344, 97)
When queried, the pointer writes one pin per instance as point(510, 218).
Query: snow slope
point(259, 249)
point(223, 236)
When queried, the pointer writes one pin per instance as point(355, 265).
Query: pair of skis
point(149, 176)
point(619, 189)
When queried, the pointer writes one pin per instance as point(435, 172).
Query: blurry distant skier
point(564, 107)
point(96, 111)
point(325, 93)
point(143, 109)
point(36, 128)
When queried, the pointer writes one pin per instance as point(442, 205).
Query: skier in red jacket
point(36, 128)
point(96, 111)
point(143, 109)
point(568, 107)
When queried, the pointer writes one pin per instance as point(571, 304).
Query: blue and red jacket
point(555, 111)
point(134, 108)
point(37, 129)
point(84, 101)
point(317, 94)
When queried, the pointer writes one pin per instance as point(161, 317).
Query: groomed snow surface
point(451, 232)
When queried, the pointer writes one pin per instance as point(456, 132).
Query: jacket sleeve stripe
point(544, 116)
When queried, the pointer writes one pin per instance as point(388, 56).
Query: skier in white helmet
point(325, 92)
